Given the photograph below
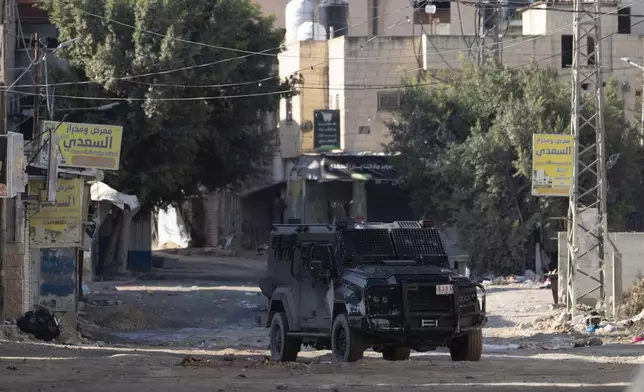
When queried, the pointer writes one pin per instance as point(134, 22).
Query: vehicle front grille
point(424, 299)
point(467, 300)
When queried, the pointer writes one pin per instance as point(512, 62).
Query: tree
point(466, 157)
point(173, 145)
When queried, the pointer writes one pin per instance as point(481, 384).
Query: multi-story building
point(357, 72)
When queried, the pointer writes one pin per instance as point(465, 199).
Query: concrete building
point(357, 75)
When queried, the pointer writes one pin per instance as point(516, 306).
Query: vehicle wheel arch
point(282, 301)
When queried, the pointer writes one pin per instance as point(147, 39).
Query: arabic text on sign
point(365, 166)
point(105, 144)
point(80, 129)
point(554, 151)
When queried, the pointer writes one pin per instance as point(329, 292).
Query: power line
point(517, 41)
point(521, 40)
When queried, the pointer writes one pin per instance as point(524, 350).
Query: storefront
point(327, 187)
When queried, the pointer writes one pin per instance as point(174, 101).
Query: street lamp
point(631, 63)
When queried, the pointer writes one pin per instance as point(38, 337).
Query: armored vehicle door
point(315, 284)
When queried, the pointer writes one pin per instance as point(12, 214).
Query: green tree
point(173, 145)
point(467, 157)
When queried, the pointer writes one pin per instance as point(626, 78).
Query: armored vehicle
point(352, 286)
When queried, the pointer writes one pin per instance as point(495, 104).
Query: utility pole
point(37, 83)
point(498, 32)
point(490, 20)
point(6, 9)
point(587, 238)
point(481, 32)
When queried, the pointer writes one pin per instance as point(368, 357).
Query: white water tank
point(298, 12)
point(311, 31)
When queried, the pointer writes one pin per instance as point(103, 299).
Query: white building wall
point(382, 62)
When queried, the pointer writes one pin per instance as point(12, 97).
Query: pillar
point(359, 206)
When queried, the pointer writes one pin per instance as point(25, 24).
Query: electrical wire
point(227, 48)
point(363, 88)
point(429, 39)
point(125, 78)
point(518, 40)
point(288, 91)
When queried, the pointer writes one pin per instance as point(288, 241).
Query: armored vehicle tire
point(468, 347)
point(283, 348)
point(397, 353)
point(347, 344)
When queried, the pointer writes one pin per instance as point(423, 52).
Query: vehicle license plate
point(444, 289)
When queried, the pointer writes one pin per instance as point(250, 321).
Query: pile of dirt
point(13, 333)
point(633, 302)
point(121, 318)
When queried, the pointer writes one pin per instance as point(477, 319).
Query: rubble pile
point(529, 278)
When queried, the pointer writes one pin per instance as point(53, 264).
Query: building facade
point(358, 74)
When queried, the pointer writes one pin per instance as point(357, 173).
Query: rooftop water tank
point(311, 31)
point(297, 12)
point(334, 14)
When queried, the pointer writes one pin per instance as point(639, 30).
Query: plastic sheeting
point(171, 229)
point(100, 191)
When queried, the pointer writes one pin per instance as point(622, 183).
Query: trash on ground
point(248, 305)
point(590, 342)
point(500, 347)
point(42, 324)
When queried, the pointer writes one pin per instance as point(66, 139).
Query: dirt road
point(189, 330)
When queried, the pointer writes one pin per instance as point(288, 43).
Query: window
point(388, 100)
point(590, 50)
point(289, 110)
point(566, 51)
point(375, 16)
point(624, 20)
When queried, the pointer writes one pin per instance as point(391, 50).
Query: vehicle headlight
point(384, 300)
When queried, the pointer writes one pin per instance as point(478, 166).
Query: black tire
point(283, 348)
point(347, 344)
point(468, 347)
point(397, 353)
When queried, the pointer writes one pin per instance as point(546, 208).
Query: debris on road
point(590, 342)
point(248, 305)
point(192, 361)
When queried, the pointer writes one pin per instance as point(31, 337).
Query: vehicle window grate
point(369, 242)
point(417, 243)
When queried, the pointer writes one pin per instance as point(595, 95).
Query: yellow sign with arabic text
point(88, 145)
point(552, 164)
point(59, 225)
